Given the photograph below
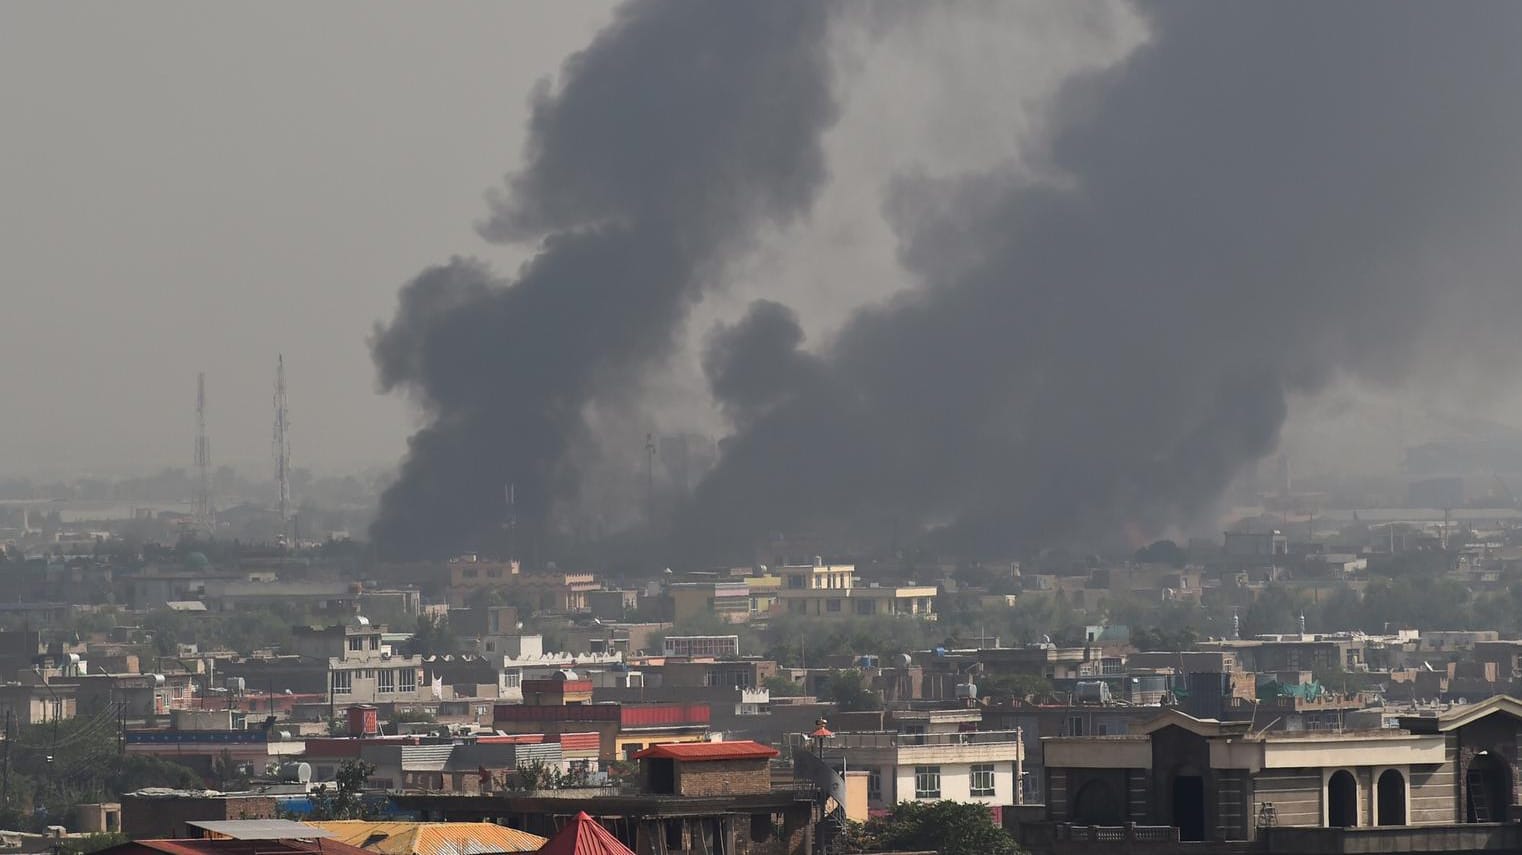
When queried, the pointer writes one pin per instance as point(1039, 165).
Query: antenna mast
point(205, 515)
point(282, 448)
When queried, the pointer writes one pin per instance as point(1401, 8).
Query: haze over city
point(761, 427)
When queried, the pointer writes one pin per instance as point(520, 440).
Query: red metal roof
point(583, 836)
point(695, 751)
point(580, 741)
point(663, 715)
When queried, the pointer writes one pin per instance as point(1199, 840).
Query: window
point(832, 605)
point(864, 607)
point(1075, 725)
point(874, 785)
point(356, 643)
point(385, 681)
point(407, 680)
point(795, 582)
point(512, 679)
point(343, 682)
point(927, 782)
point(982, 779)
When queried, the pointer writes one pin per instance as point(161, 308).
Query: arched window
point(1341, 800)
point(1390, 794)
point(1487, 788)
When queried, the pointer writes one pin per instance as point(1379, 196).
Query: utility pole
point(5, 774)
point(282, 443)
point(1019, 765)
point(205, 515)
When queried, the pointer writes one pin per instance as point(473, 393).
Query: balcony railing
point(1129, 833)
point(893, 739)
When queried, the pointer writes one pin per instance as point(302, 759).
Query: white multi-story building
point(522, 657)
point(361, 668)
point(928, 759)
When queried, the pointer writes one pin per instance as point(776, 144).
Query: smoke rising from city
point(1259, 200)
point(1262, 198)
point(675, 136)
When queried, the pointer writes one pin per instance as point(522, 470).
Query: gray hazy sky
point(188, 186)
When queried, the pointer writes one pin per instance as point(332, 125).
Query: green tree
point(433, 637)
point(345, 800)
point(1021, 686)
point(781, 687)
point(946, 827)
point(849, 692)
point(1162, 552)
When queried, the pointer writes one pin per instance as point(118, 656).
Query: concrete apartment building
point(361, 669)
point(515, 659)
point(930, 755)
point(1216, 781)
point(831, 591)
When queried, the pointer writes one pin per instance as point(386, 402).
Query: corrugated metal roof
point(580, 741)
point(432, 838)
point(248, 847)
point(426, 758)
point(260, 829)
point(696, 751)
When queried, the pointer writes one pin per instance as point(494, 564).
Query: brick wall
point(167, 816)
point(723, 778)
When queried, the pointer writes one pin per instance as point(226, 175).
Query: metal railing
point(893, 739)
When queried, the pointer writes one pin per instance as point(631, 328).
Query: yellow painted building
point(831, 591)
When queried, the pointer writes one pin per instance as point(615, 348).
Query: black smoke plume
point(1264, 197)
point(681, 131)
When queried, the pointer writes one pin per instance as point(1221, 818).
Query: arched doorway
point(1391, 797)
point(1189, 806)
point(1341, 800)
point(1487, 788)
point(1095, 803)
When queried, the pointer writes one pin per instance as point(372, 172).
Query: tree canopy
point(946, 827)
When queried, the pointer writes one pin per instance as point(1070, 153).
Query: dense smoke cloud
point(1261, 199)
point(753, 365)
point(681, 131)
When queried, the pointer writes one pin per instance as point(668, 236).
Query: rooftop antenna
point(205, 515)
point(282, 443)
